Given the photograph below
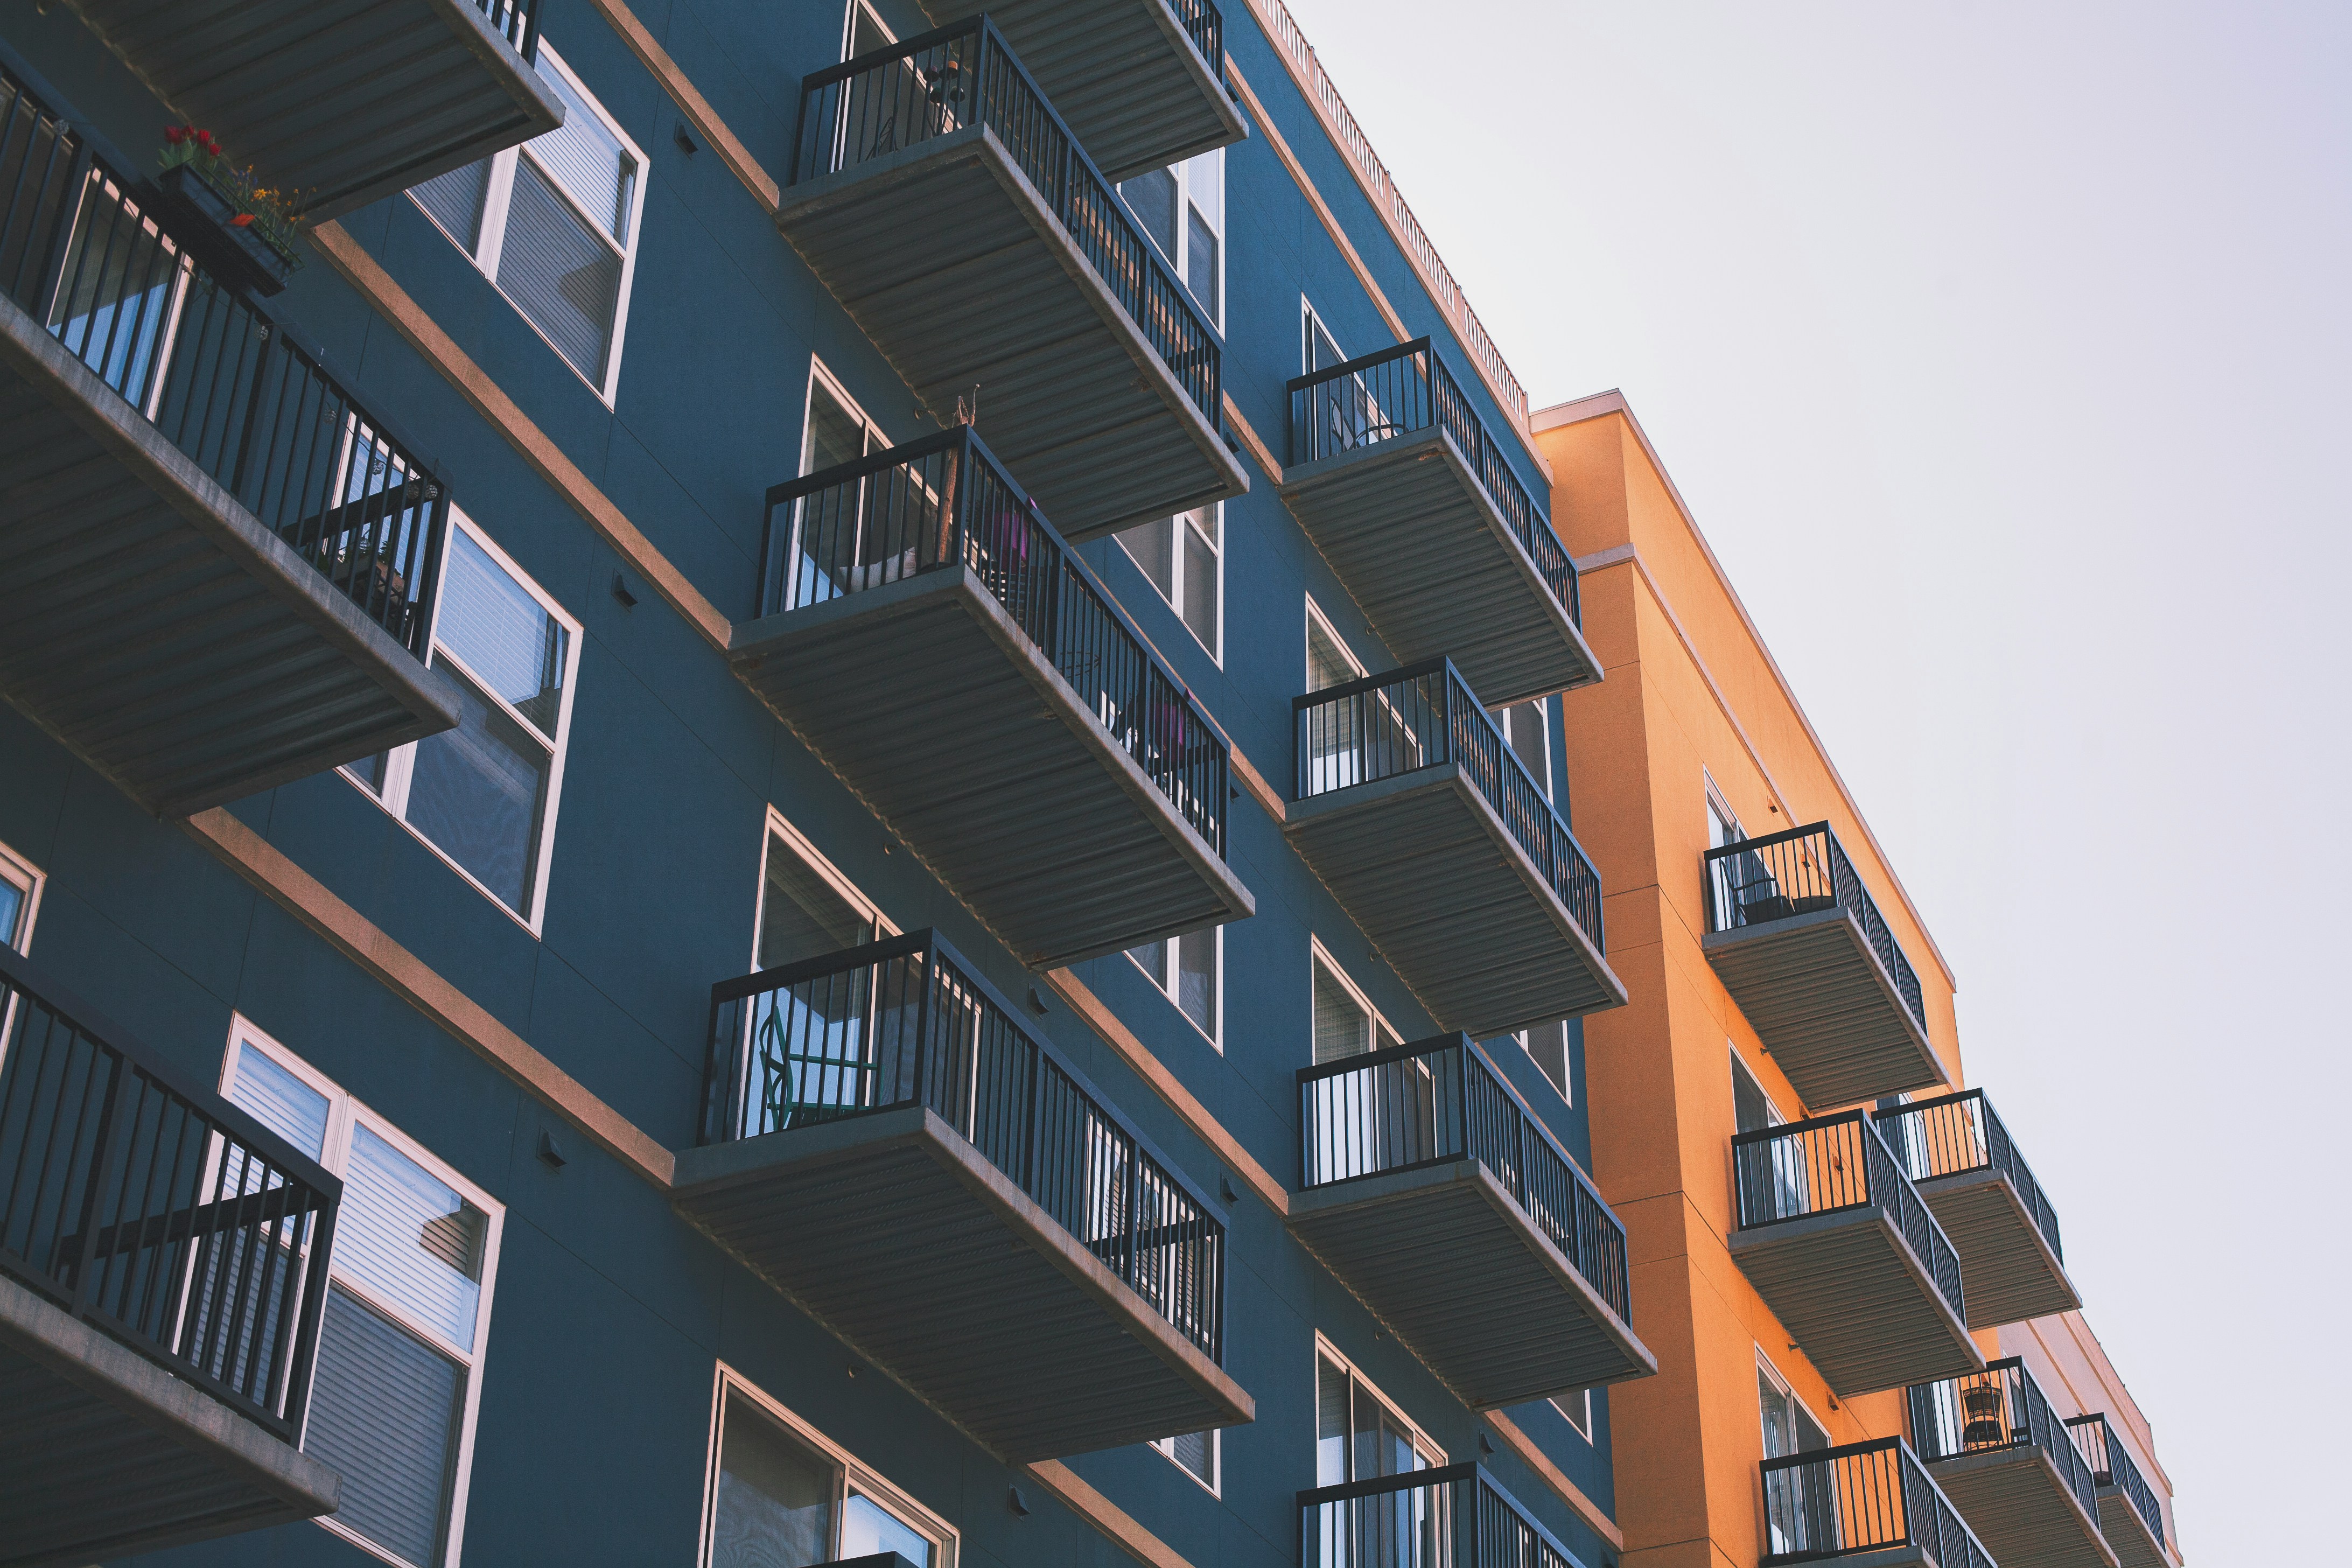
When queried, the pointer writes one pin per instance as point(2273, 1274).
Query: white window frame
point(1764, 1364)
point(849, 25)
point(799, 843)
point(1182, 173)
point(1582, 1400)
point(893, 1500)
point(819, 372)
point(1424, 1443)
point(1215, 1485)
point(1317, 618)
point(343, 1113)
point(1166, 983)
point(26, 879)
point(497, 198)
point(1773, 1115)
point(1527, 1045)
point(399, 767)
point(1504, 721)
point(1310, 318)
point(1320, 954)
point(1174, 598)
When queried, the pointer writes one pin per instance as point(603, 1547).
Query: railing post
point(1132, 1246)
point(101, 1147)
point(76, 195)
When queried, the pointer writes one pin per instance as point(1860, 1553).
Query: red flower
point(240, 220)
point(176, 134)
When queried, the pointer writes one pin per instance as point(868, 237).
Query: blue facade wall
point(609, 1311)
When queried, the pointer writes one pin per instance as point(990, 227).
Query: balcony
point(1959, 1156)
point(887, 1144)
point(1399, 483)
point(1456, 1517)
point(1425, 826)
point(1165, 102)
point(162, 1266)
point(1874, 1501)
point(2002, 1456)
point(1432, 1191)
point(936, 193)
point(216, 565)
point(928, 633)
point(1796, 939)
point(1841, 1246)
point(345, 101)
point(2130, 1517)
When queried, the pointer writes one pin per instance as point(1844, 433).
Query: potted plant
point(246, 229)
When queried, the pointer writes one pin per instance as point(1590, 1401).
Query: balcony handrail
point(516, 21)
point(1404, 1108)
point(954, 78)
point(1954, 1134)
point(905, 1022)
point(1406, 389)
point(2111, 1465)
point(1833, 1164)
point(1205, 26)
point(1999, 1408)
point(1794, 882)
point(1858, 1498)
point(1426, 716)
point(253, 403)
point(145, 1203)
point(1491, 1532)
point(945, 501)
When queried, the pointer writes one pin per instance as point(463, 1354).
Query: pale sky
point(2004, 353)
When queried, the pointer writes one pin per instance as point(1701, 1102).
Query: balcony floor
point(1823, 1006)
point(1460, 1273)
point(2127, 1534)
point(354, 100)
point(2018, 1504)
point(1121, 73)
point(897, 1235)
point(927, 701)
point(1414, 537)
point(154, 626)
point(2007, 1270)
point(948, 259)
point(1850, 1291)
point(103, 1453)
point(1428, 871)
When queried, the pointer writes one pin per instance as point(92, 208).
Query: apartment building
point(806, 800)
point(1868, 1343)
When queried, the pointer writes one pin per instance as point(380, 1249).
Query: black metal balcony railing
point(1425, 716)
point(907, 1022)
point(517, 21)
point(1999, 1408)
point(156, 1211)
point(961, 76)
point(2112, 1466)
point(1959, 1132)
point(1832, 1164)
point(1399, 392)
point(1455, 1517)
point(945, 501)
point(1205, 26)
point(1863, 1496)
point(82, 254)
point(1796, 872)
point(1441, 1099)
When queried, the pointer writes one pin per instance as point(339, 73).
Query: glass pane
point(1153, 958)
point(1327, 663)
point(1322, 352)
point(835, 436)
point(479, 792)
point(1196, 979)
point(505, 635)
point(385, 1411)
point(114, 297)
point(805, 916)
point(1525, 723)
point(866, 1530)
point(1197, 1452)
point(774, 1508)
point(1202, 588)
point(588, 160)
point(279, 1100)
point(1152, 198)
point(1331, 1383)
point(1152, 545)
point(866, 35)
point(559, 272)
point(1547, 1046)
point(1204, 181)
point(454, 200)
point(1340, 1025)
point(1200, 262)
point(1750, 1109)
point(12, 910)
point(1773, 1405)
point(408, 1237)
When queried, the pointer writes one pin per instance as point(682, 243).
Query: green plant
point(270, 213)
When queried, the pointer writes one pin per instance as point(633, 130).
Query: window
point(807, 909)
point(1547, 1047)
point(1358, 1435)
point(1184, 556)
point(1196, 1454)
point(781, 1496)
point(483, 795)
point(1527, 726)
point(399, 1364)
point(1318, 349)
point(836, 430)
point(20, 899)
point(1186, 969)
point(1328, 661)
point(554, 225)
point(1792, 1513)
point(1576, 1409)
point(862, 32)
point(1182, 208)
point(1346, 1025)
point(1752, 1109)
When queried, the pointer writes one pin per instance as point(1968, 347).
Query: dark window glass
point(384, 1415)
point(559, 272)
point(479, 791)
point(1152, 199)
point(454, 200)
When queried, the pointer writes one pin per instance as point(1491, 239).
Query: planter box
point(204, 218)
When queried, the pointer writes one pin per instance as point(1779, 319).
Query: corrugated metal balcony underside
point(154, 626)
point(102, 1453)
point(2019, 1507)
point(2127, 1534)
point(1853, 1294)
point(1460, 1274)
point(349, 100)
point(1122, 74)
point(2007, 1270)
point(927, 701)
point(1823, 1006)
point(1426, 870)
point(899, 1236)
point(1417, 543)
point(947, 259)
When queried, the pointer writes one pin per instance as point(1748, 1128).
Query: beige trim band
point(692, 104)
point(1249, 438)
point(1568, 1491)
point(1115, 1522)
